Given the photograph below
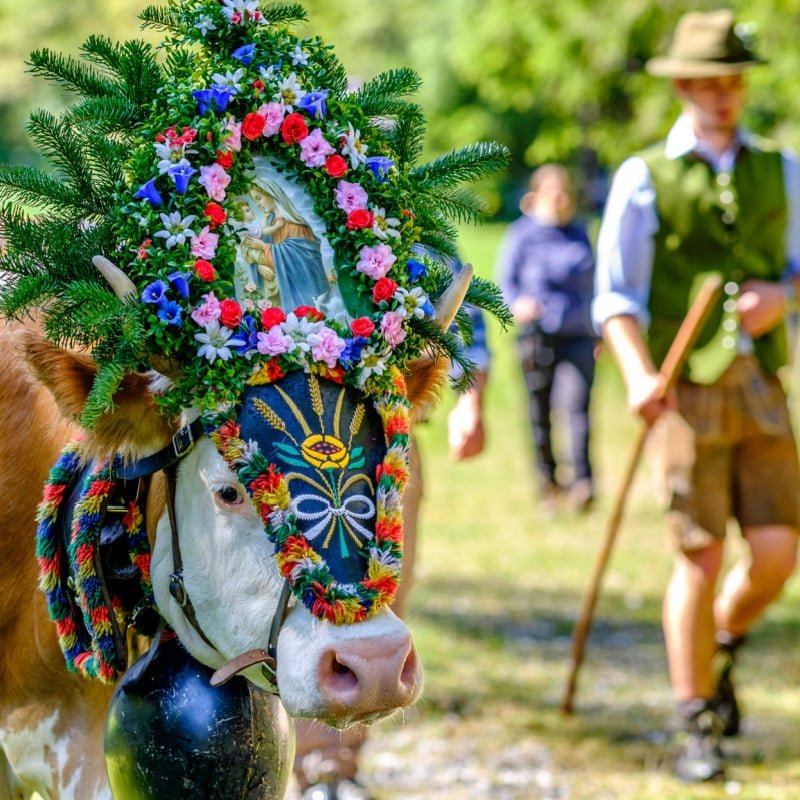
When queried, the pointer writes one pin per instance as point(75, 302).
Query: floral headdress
point(264, 217)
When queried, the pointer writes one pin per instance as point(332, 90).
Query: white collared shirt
point(626, 245)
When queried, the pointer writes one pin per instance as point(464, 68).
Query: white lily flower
point(216, 342)
point(353, 147)
point(384, 227)
point(299, 57)
point(176, 228)
point(205, 24)
point(289, 92)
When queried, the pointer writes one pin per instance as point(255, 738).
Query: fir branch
point(37, 189)
point(101, 397)
point(458, 204)
point(466, 164)
point(70, 73)
point(431, 218)
point(408, 135)
point(28, 292)
point(390, 84)
point(334, 72)
point(62, 147)
point(445, 344)
point(487, 295)
point(440, 241)
point(132, 62)
point(161, 18)
point(284, 13)
point(108, 116)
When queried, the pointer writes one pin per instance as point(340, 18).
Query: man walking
point(710, 199)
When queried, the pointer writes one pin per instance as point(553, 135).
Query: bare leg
point(688, 621)
point(754, 583)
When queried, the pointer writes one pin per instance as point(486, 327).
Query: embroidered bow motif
point(326, 515)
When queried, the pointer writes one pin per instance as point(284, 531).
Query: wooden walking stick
point(670, 369)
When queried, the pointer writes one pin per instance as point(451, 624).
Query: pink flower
point(392, 328)
point(207, 313)
point(326, 346)
point(375, 261)
point(234, 140)
point(350, 196)
point(204, 244)
point(215, 180)
point(314, 149)
point(273, 114)
point(274, 342)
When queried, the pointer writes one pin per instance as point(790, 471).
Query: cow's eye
point(228, 495)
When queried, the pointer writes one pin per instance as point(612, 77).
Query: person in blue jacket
point(546, 272)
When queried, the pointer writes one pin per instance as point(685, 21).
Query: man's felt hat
point(705, 45)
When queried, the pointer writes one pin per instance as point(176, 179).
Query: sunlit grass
point(497, 591)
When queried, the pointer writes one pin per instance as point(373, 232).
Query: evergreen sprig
point(465, 165)
point(72, 74)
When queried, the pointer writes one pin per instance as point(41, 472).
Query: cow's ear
point(133, 427)
point(424, 384)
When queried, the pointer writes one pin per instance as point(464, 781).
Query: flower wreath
point(160, 165)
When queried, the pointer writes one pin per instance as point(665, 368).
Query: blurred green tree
point(559, 81)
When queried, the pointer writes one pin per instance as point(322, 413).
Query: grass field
point(497, 591)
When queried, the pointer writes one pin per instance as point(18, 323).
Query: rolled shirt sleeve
point(625, 247)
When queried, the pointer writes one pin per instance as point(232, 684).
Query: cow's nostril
point(343, 676)
point(410, 672)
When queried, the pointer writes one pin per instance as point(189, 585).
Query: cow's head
point(342, 654)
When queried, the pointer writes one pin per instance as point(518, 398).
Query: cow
point(51, 721)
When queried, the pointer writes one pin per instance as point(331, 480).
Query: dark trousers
point(543, 355)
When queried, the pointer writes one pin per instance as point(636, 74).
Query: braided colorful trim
point(100, 660)
point(307, 572)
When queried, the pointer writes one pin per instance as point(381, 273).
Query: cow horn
point(449, 303)
point(122, 285)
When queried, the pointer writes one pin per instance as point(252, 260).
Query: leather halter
point(166, 460)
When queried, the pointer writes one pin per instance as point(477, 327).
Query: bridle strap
point(177, 587)
point(182, 442)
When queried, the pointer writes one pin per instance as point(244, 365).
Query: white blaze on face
point(341, 674)
point(228, 562)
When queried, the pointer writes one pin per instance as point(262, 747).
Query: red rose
point(270, 317)
point(383, 289)
point(258, 86)
point(363, 326)
point(216, 213)
point(142, 252)
point(293, 128)
point(204, 270)
point(310, 313)
point(335, 166)
point(225, 158)
point(359, 218)
point(230, 314)
point(253, 126)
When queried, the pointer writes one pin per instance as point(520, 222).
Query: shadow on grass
point(493, 649)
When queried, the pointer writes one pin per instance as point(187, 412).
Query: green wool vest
point(732, 224)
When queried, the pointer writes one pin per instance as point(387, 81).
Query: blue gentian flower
point(203, 97)
point(181, 173)
point(248, 332)
point(351, 354)
point(170, 312)
point(379, 166)
point(314, 104)
point(180, 280)
point(147, 191)
point(154, 292)
point(416, 270)
point(428, 308)
point(244, 54)
point(221, 96)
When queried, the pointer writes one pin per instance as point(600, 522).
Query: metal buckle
point(182, 441)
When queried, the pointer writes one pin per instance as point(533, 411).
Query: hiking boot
point(700, 757)
point(724, 701)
